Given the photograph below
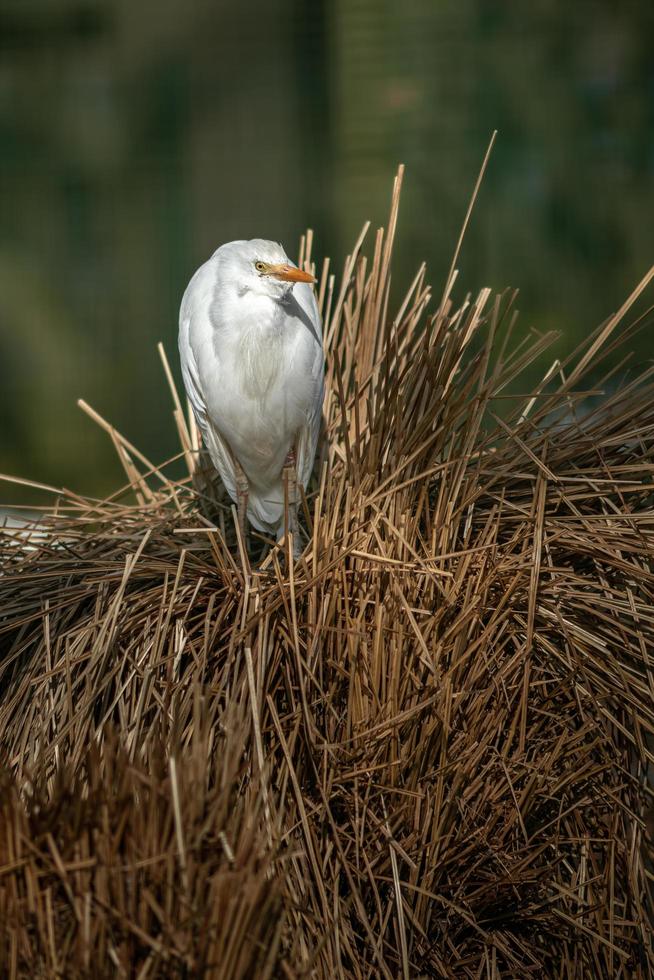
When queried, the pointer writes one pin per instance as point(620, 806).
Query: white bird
point(250, 343)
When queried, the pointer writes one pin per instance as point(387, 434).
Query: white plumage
point(250, 344)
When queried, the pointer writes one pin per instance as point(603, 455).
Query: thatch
point(422, 750)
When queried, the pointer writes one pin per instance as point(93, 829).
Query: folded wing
point(215, 444)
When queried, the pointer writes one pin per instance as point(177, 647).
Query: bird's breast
point(261, 392)
point(258, 361)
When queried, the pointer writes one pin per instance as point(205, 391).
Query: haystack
point(422, 750)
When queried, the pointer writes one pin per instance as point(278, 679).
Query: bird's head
point(260, 267)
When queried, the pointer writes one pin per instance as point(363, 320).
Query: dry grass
point(422, 751)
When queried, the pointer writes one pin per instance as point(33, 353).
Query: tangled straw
point(421, 751)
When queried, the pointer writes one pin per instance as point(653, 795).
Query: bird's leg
point(290, 510)
point(242, 492)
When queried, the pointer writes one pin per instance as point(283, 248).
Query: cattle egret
point(250, 343)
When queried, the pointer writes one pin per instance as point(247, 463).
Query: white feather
point(252, 363)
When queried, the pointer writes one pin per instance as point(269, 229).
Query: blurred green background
point(136, 137)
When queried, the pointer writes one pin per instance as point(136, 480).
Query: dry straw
point(420, 752)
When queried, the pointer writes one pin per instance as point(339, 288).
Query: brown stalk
point(422, 750)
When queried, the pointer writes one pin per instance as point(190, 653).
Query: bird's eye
point(259, 266)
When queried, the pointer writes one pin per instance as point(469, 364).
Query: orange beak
point(288, 273)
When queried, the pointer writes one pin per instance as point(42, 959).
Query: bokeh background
point(138, 136)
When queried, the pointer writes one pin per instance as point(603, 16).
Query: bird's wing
point(215, 444)
point(309, 433)
point(191, 376)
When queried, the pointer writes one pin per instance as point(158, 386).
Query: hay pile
point(421, 752)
